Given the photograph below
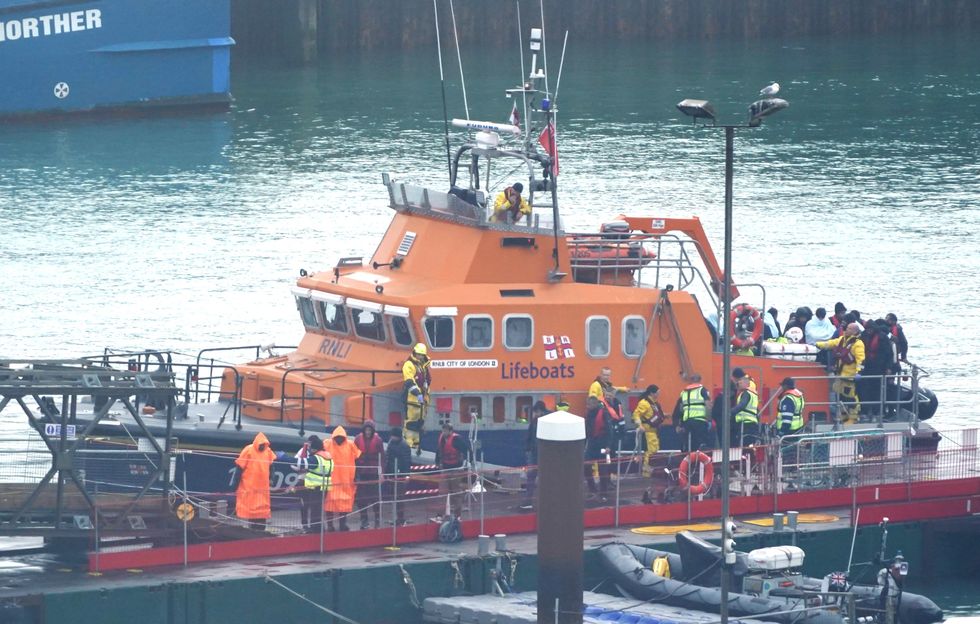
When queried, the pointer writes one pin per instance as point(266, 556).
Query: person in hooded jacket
point(398, 465)
point(340, 497)
point(372, 449)
point(253, 500)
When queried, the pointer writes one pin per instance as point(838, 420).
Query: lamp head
point(698, 109)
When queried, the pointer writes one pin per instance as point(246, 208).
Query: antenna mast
point(442, 81)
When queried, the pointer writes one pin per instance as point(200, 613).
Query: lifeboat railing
point(669, 256)
point(887, 402)
point(459, 205)
point(303, 398)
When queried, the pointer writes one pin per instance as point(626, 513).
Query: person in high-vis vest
point(791, 406)
point(416, 380)
point(747, 413)
point(691, 412)
point(648, 416)
point(316, 466)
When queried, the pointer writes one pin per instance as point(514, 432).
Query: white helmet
point(794, 334)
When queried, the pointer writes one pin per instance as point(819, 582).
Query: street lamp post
point(702, 109)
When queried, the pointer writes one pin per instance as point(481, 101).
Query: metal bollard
point(500, 540)
point(777, 522)
point(483, 545)
point(792, 518)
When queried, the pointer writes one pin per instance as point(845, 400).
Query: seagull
point(771, 90)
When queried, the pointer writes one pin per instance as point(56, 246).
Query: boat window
point(597, 336)
point(634, 336)
point(368, 324)
point(401, 331)
point(306, 312)
point(333, 316)
point(518, 331)
point(440, 332)
point(478, 332)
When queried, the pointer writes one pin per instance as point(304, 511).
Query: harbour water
point(187, 232)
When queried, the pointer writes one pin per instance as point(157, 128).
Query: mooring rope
point(305, 599)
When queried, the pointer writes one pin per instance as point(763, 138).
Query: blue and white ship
point(70, 56)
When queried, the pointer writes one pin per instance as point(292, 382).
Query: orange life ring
point(683, 476)
point(744, 309)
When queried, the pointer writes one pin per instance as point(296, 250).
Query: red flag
point(548, 140)
point(515, 117)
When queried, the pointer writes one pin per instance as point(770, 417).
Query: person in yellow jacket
point(603, 385)
point(416, 380)
point(648, 416)
point(848, 350)
point(509, 206)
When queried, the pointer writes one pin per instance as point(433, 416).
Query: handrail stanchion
point(96, 513)
point(690, 502)
point(619, 476)
point(380, 493)
point(323, 503)
point(483, 489)
point(185, 519)
point(394, 507)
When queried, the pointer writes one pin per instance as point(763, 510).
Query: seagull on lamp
point(770, 91)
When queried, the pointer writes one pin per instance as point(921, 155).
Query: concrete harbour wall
point(300, 31)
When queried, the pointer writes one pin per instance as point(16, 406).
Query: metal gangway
point(66, 483)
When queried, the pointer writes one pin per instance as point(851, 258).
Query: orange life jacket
point(448, 452)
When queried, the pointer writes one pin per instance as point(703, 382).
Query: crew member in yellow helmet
point(416, 379)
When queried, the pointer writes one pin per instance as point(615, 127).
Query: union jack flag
point(837, 580)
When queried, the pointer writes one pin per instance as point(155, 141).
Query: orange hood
point(260, 439)
point(339, 432)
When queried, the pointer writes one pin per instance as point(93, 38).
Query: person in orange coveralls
point(253, 501)
point(340, 497)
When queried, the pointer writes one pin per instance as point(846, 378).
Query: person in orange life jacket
point(340, 496)
point(531, 453)
point(509, 206)
point(848, 350)
point(603, 427)
point(691, 414)
point(881, 359)
point(898, 335)
point(452, 452)
point(372, 449)
point(253, 499)
point(398, 463)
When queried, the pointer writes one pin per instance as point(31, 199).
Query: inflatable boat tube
point(928, 403)
point(622, 563)
point(696, 576)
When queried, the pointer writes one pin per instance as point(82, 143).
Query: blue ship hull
point(71, 56)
